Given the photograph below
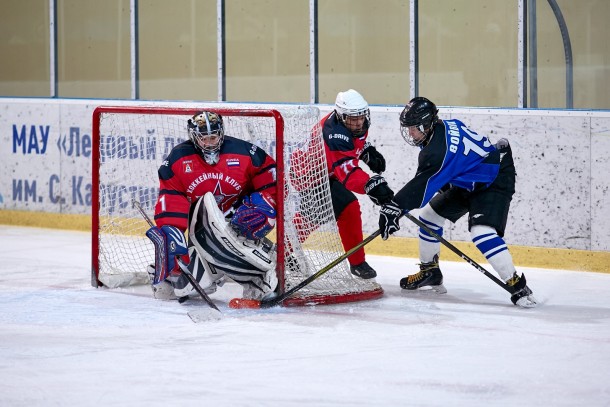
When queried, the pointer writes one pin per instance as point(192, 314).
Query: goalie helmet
point(417, 121)
point(206, 131)
point(353, 111)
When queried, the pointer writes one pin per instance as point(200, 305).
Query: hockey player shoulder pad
point(255, 218)
point(169, 243)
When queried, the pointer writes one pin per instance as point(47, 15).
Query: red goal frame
point(95, 163)
point(281, 181)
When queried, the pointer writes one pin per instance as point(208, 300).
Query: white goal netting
point(130, 144)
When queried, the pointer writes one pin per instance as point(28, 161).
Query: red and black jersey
point(184, 176)
point(342, 153)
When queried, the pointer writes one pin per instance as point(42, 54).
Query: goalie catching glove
point(378, 190)
point(255, 218)
point(169, 243)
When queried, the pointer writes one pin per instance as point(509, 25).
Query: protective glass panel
point(93, 49)
point(364, 45)
point(177, 48)
point(468, 52)
point(24, 47)
point(267, 50)
point(586, 26)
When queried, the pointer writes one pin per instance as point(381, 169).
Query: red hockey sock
point(303, 226)
point(350, 230)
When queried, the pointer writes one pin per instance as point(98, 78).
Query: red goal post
point(129, 144)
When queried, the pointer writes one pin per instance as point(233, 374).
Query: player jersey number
point(470, 145)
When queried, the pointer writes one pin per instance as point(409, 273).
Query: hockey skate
point(363, 270)
point(521, 293)
point(162, 290)
point(429, 276)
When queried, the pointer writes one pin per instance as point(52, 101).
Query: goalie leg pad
point(261, 288)
point(208, 278)
point(162, 290)
point(169, 243)
point(248, 262)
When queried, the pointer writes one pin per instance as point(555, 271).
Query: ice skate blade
point(437, 289)
point(527, 302)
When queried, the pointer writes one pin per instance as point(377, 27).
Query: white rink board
point(561, 157)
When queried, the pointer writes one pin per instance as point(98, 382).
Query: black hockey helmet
point(420, 113)
point(206, 131)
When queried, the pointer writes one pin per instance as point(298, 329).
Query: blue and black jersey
point(456, 156)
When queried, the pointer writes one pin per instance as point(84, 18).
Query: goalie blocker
point(216, 250)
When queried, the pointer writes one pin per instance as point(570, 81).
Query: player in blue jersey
point(458, 172)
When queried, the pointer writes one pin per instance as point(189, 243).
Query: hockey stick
point(249, 303)
point(458, 252)
point(183, 267)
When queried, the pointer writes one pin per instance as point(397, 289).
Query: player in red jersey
point(345, 132)
point(204, 179)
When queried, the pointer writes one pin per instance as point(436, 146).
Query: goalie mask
point(353, 111)
point(206, 131)
point(417, 121)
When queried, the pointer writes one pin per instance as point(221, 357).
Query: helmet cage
point(406, 135)
point(422, 114)
point(206, 131)
point(343, 117)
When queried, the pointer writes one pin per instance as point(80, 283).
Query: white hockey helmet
point(351, 104)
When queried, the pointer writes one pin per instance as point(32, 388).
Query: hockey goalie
point(221, 191)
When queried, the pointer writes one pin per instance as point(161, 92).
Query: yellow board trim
point(525, 256)
point(46, 220)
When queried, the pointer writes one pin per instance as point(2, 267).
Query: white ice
point(65, 343)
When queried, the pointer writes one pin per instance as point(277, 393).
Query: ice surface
point(64, 343)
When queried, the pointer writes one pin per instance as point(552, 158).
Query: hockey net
point(130, 143)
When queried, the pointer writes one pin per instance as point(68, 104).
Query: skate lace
point(423, 268)
point(415, 277)
point(513, 280)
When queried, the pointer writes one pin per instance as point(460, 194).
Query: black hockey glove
point(373, 159)
point(389, 214)
point(378, 190)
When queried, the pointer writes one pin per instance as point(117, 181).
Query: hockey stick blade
point(195, 284)
point(204, 315)
point(256, 304)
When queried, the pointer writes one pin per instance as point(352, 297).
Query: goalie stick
point(250, 303)
point(458, 252)
point(183, 267)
